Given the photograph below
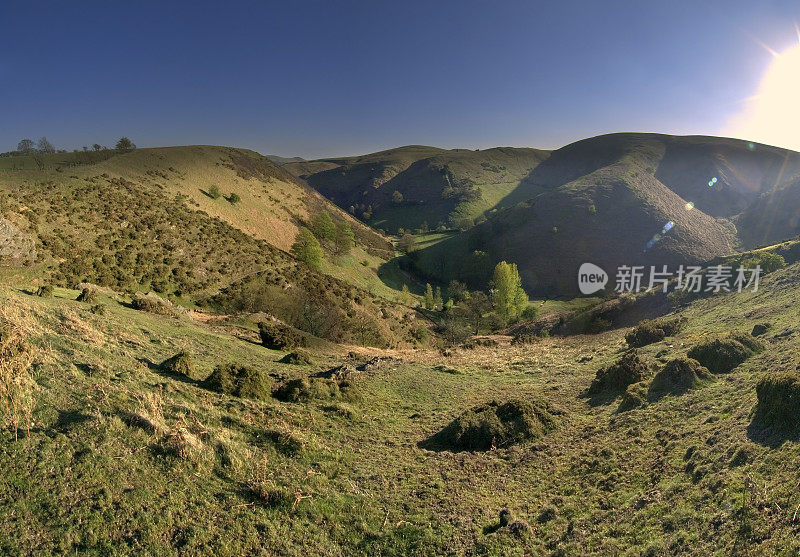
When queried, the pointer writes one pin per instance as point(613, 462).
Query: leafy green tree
point(507, 294)
point(457, 290)
point(125, 144)
point(477, 306)
point(306, 248)
point(323, 227)
point(406, 243)
point(406, 297)
point(345, 239)
point(428, 299)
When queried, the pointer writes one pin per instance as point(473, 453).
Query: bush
point(214, 192)
point(234, 198)
point(678, 377)
point(723, 355)
point(760, 329)
point(179, 364)
point(153, 303)
point(494, 424)
point(238, 381)
point(45, 291)
point(296, 358)
point(304, 389)
point(87, 295)
point(778, 403)
point(280, 337)
point(634, 397)
point(650, 331)
point(626, 371)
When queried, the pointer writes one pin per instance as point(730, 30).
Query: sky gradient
point(334, 78)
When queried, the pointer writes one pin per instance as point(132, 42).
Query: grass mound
point(243, 382)
point(494, 424)
point(179, 364)
point(304, 389)
point(634, 397)
point(678, 377)
point(627, 370)
point(280, 337)
point(778, 403)
point(650, 331)
point(723, 355)
point(298, 358)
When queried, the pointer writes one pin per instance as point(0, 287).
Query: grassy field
point(218, 474)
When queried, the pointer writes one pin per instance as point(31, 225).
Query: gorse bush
point(179, 364)
point(722, 355)
point(778, 403)
point(629, 369)
point(651, 331)
point(244, 382)
point(677, 377)
point(276, 336)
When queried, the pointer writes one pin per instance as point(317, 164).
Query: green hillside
point(436, 187)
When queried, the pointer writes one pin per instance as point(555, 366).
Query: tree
point(457, 290)
point(406, 243)
point(214, 192)
point(26, 147)
point(437, 298)
point(428, 300)
point(125, 144)
point(96, 147)
point(44, 146)
point(405, 296)
point(397, 197)
point(477, 306)
point(323, 227)
point(306, 248)
point(507, 294)
point(344, 239)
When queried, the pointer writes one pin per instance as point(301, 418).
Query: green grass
point(684, 474)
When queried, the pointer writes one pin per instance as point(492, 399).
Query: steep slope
point(772, 218)
point(436, 187)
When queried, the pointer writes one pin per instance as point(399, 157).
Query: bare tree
point(26, 146)
point(44, 146)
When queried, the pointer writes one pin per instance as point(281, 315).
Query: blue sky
point(332, 78)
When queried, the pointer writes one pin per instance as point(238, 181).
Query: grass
point(222, 474)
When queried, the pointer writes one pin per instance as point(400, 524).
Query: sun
point(772, 116)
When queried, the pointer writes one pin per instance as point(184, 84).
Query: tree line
point(44, 147)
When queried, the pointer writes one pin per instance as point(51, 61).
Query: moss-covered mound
point(678, 376)
point(722, 355)
point(179, 364)
point(494, 424)
point(634, 397)
point(238, 381)
point(304, 389)
point(629, 369)
point(276, 336)
point(650, 331)
point(778, 403)
point(296, 358)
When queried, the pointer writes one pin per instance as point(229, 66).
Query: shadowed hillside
point(436, 187)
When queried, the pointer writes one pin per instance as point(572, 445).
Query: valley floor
point(123, 458)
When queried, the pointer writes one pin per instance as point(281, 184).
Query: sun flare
point(772, 116)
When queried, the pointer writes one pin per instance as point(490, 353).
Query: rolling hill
point(628, 199)
point(437, 187)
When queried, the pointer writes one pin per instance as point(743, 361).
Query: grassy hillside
point(605, 199)
point(147, 220)
point(438, 187)
point(121, 456)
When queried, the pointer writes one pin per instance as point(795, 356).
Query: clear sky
point(343, 77)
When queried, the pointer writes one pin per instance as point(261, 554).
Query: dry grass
point(17, 388)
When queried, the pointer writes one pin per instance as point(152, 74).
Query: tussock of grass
point(722, 355)
point(179, 364)
point(651, 331)
point(241, 381)
point(494, 425)
point(629, 369)
point(296, 358)
point(17, 388)
point(678, 377)
point(778, 403)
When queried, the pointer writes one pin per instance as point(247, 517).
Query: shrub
point(87, 295)
point(778, 403)
point(626, 371)
point(179, 364)
point(723, 355)
point(678, 377)
point(238, 381)
point(45, 291)
point(760, 329)
point(304, 389)
point(495, 424)
point(650, 331)
point(634, 397)
point(234, 198)
point(214, 192)
point(276, 336)
point(153, 303)
point(296, 358)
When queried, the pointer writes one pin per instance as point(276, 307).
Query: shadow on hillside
point(602, 398)
point(770, 437)
point(156, 368)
